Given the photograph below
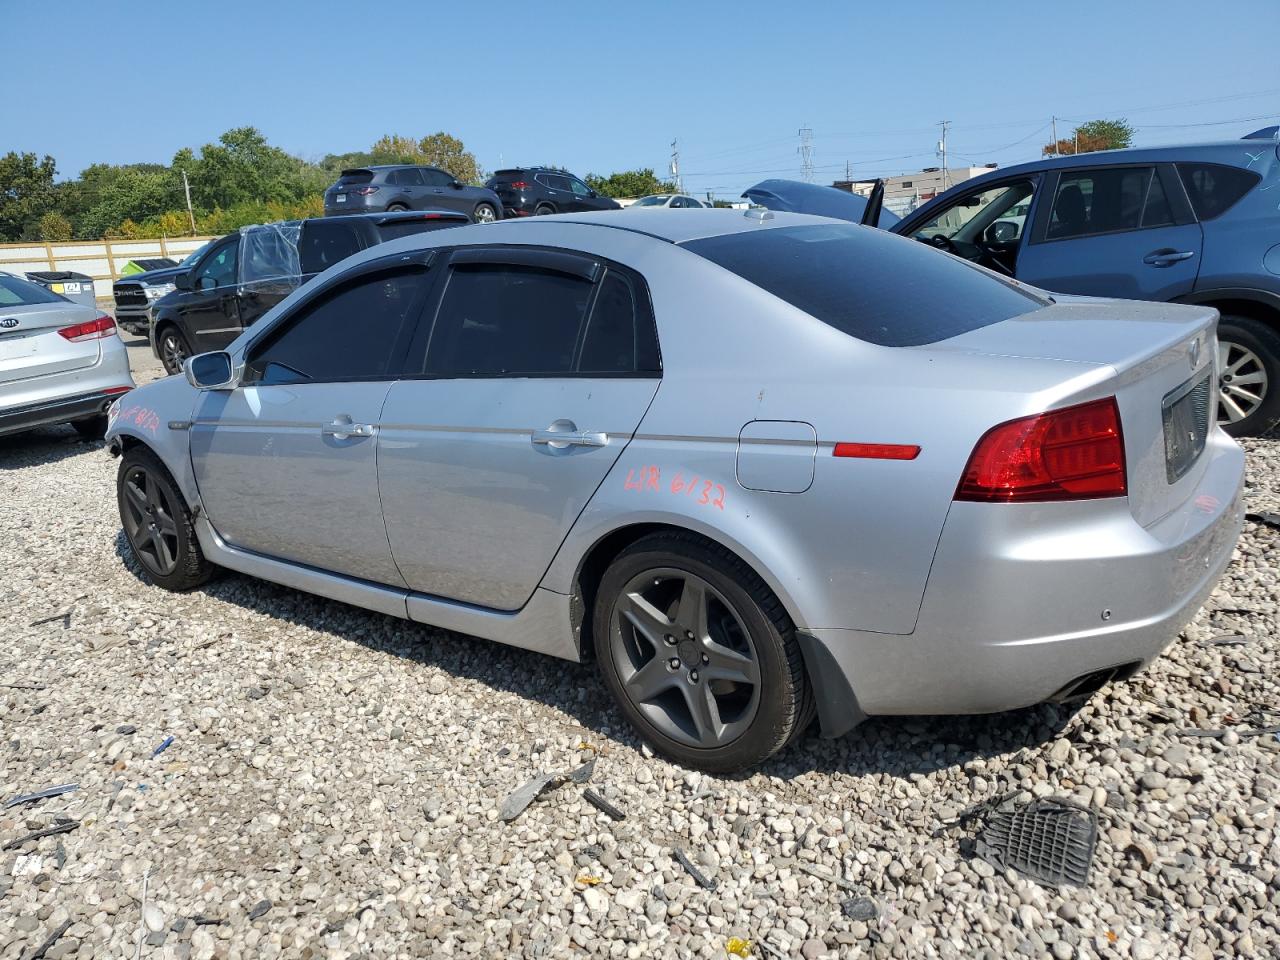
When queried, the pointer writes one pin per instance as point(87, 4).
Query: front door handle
point(342, 428)
point(1167, 257)
point(565, 433)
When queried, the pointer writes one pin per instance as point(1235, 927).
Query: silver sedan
point(767, 468)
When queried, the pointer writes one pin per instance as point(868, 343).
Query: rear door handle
point(565, 433)
point(342, 428)
point(1167, 257)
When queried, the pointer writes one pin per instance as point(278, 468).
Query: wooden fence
point(101, 259)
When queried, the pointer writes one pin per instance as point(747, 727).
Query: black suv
point(408, 187)
point(238, 278)
point(534, 191)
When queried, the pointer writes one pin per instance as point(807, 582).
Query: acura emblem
point(1195, 353)
point(8, 323)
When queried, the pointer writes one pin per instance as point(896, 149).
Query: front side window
point(219, 268)
point(1089, 202)
point(436, 178)
point(347, 333)
point(579, 188)
point(867, 283)
point(967, 218)
point(1214, 188)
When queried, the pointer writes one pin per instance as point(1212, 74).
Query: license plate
point(1185, 412)
point(73, 286)
point(340, 198)
point(18, 347)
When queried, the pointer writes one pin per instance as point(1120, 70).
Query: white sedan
point(672, 201)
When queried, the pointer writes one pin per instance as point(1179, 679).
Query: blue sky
point(600, 87)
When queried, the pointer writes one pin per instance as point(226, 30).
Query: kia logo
point(8, 323)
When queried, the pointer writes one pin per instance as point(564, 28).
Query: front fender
point(158, 416)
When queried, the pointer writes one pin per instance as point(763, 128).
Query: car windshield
point(190, 259)
point(19, 293)
point(651, 201)
point(872, 285)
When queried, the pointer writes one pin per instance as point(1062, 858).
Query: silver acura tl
point(766, 468)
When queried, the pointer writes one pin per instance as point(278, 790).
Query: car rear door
point(514, 406)
point(1114, 231)
point(286, 462)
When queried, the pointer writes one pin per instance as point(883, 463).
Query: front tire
point(158, 524)
point(699, 653)
point(1248, 376)
point(543, 209)
point(485, 213)
point(173, 349)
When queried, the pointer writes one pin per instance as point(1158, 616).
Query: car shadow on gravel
point(44, 445)
point(894, 746)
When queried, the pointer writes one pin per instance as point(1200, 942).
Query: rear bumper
point(1025, 600)
point(50, 412)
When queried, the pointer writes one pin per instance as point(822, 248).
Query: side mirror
point(210, 371)
point(208, 283)
point(182, 281)
point(456, 184)
point(592, 194)
point(1002, 231)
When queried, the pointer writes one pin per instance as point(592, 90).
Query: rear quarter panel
point(1237, 241)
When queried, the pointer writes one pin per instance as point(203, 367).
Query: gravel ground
point(333, 784)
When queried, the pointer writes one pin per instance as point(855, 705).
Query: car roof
point(392, 216)
point(1234, 152)
point(692, 224)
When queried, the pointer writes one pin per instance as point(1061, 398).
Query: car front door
point(441, 194)
point(536, 373)
point(210, 313)
point(584, 198)
point(985, 224)
point(1114, 231)
point(286, 462)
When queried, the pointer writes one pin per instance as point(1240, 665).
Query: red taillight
point(115, 390)
point(518, 185)
point(877, 451)
point(1071, 454)
point(363, 191)
point(104, 326)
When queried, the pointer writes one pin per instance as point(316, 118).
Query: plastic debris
point(260, 908)
point(603, 805)
point(28, 865)
point(700, 878)
point(860, 908)
point(164, 745)
point(828, 877)
point(39, 952)
point(1050, 841)
point(520, 798)
point(1272, 520)
point(1225, 640)
point(40, 795)
point(65, 827)
point(587, 880)
point(737, 947)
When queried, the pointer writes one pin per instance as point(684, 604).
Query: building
point(905, 192)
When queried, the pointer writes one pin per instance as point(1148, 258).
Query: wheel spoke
point(1256, 377)
point(691, 612)
point(163, 554)
point(704, 711)
point(165, 524)
point(647, 619)
point(728, 664)
point(1234, 413)
point(651, 679)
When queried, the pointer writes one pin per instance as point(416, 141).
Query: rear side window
point(869, 284)
point(1106, 201)
point(17, 293)
point(507, 320)
point(620, 336)
point(325, 242)
point(1214, 188)
point(349, 333)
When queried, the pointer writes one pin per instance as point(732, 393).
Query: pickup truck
point(238, 278)
point(135, 294)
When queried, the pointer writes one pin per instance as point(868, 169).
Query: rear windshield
point(17, 293)
point(354, 176)
point(507, 176)
point(407, 228)
point(867, 283)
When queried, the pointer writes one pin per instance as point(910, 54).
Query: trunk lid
point(30, 345)
point(1162, 361)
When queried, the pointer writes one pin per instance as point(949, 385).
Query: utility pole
point(186, 186)
point(942, 149)
point(847, 174)
point(1054, 121)
point(675, 166)
point(806, 154)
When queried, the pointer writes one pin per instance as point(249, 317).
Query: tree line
point(238, 180)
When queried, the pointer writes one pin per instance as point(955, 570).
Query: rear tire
point(173, 349)
point(95, 428)
point(158, 524)
point(740, 656)
point(1248, 376)
point(543, 209)
point(396, 207)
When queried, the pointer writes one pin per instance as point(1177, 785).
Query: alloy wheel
point(684, 657)
point(1242, 382)
point(485, 214)
point(172, 352)
point(149, 521)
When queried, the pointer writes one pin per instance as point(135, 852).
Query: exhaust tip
point(1086, 685)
